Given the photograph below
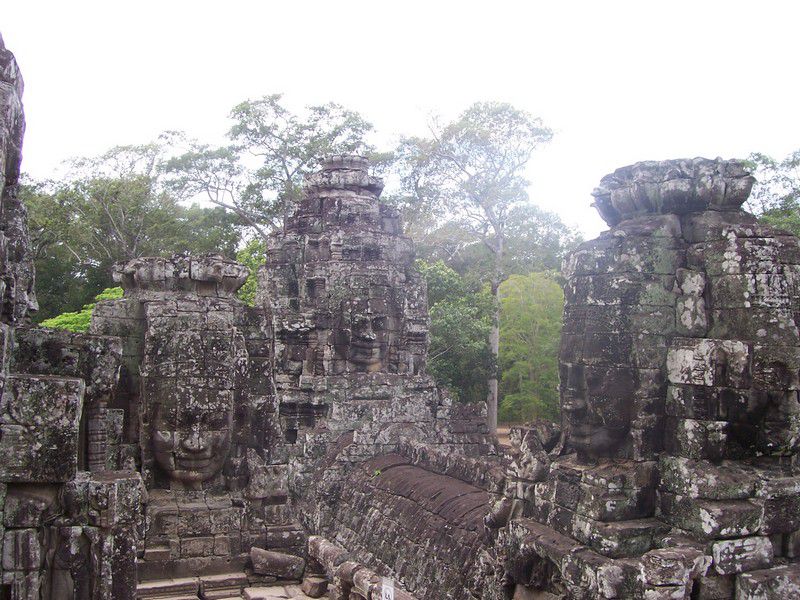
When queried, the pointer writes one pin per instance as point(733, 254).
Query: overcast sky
point(617, 81)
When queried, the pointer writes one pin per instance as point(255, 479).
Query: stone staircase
point(228, 586)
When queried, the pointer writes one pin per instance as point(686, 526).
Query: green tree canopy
point(260, 174)
point(776, 196)
point(113, 208)
point(252, 256)
point(472, 169)
point(79, 321)
point(461, 319)
point(529, 340)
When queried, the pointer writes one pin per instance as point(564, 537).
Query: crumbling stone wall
point(676, 473)
point(350, 322)
point(16, 261)
point(65, 532)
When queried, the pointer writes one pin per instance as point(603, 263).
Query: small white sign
point(387, 589)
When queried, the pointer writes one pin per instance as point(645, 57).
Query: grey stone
point(283, 566)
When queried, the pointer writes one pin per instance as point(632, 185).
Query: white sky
point(618, 81)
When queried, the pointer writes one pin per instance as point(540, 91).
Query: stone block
point(714, 440)
point(712, 519)
point(709, 362)
point(781, 514)
point(197, 546)
point(29, 506)
point(779, 583)
point(702, 479)
point(39, 421)
point(314, 587)
point(673, 566)
point(740, 555)
point(22, 550)
point(265, 593)
point(283, 566)
point(225, 585)
point(715, 587)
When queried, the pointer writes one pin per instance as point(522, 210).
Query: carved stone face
point(363, 333)
point(597, 418)
point(192, 437)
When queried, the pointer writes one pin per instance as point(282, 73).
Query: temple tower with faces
point(347, 307)
point(197, 415)
point(350, 323)
point(676, 475)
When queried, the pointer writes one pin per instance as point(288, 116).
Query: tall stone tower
point(677, 475)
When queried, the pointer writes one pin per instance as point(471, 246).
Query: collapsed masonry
point(195, 447)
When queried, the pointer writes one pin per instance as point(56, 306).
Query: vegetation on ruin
point(79, 321)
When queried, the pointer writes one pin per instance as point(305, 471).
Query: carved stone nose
point(194, 441)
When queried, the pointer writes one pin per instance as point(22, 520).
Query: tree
point(776, 196)
point(461, 319)
point(473, 168)
point(113, 208)
point(252, 256)
point(283, 148)
point(529, 339)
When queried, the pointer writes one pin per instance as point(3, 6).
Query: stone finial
point(207, 275)
point(672, 186)
point(344, 172)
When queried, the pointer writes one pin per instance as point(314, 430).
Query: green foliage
point(253, 255)
point(470, 173)
point(530, 333)
point(79, 321)
point(461, 318)
point(442, 281)
point(113, 208)
point(776, 196)
point(279, 147)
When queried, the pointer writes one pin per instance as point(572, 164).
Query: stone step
point(172, 589)
point(225, 585)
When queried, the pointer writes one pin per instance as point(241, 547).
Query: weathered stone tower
point(350, 321)
point(677, 475)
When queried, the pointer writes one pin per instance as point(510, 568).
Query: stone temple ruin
point(193, 447)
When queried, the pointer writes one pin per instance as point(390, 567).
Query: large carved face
point(364, 332)
point(192, 436)
point(596, 410)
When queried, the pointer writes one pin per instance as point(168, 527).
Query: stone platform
point(228, 586)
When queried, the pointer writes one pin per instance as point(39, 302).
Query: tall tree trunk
point(494, 336)
point(494, 347)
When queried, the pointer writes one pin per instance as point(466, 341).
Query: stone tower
point(677, 472)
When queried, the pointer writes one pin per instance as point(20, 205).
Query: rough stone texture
point(425, 527)
point(16, 261)
point(189, 436)
point(200, 409)
point(39, 418)
point(770, 584)
point(286, 566)
point(349, 315)
point(679, 390)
